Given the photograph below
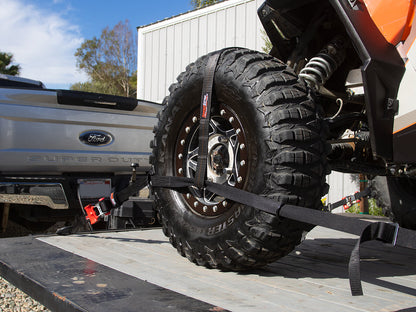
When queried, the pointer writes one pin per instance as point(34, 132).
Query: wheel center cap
point(219, 158)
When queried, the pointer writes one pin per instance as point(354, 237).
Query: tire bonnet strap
point(205, 114)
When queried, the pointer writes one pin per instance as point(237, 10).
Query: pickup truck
point(61, 149)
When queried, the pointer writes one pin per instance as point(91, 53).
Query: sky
point(43, 35)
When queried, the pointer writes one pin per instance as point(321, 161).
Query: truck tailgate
point(41, 135)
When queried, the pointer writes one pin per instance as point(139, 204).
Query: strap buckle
point(388, 232)
point(96, 212)
point(93, 213)
point(396, 232)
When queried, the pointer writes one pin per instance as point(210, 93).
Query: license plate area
point(94, 188)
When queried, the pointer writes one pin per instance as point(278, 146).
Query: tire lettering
point(210, 231)
point(222, 226)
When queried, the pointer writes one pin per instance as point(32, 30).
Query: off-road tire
point(286, 154)
point(397, 198)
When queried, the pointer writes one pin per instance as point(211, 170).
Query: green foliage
point(201, 3)
point(109, 61)
point(267, 43)
point(133, 82)
point(93, 86)
point(373, 208)
point(6, 59)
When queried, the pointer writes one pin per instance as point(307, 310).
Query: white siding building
point(165, 48)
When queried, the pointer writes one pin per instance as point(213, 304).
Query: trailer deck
point(139, 270)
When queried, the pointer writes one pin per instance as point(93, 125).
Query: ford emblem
point(96, 138)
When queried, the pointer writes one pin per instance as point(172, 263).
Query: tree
point(109, 61)
point(201, 3)
point(91, 86)
point(5, 65)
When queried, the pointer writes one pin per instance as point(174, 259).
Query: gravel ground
point(12, 299)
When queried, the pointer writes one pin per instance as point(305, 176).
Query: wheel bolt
point(180, 170)
point(195, 204)
point(242, 163)
point(239, 179)
point(231, 119)
point(238, 131)
point(188, 195)
point(224, 203)
point(187, 129)
point(222, 112)
point(180, 156)
point(205, 208)
point(242, 146)
point(182, 142)
point(194, 119)
point(215, 208)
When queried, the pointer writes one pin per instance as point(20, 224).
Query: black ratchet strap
point(350, 199)
point(117, 198)
point(205, 114)
point(385, 232)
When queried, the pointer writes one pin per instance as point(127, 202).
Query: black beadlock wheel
point(265, 137)
point(397, 197)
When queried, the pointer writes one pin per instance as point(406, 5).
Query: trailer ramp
point(140, 271)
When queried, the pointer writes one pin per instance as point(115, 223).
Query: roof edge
point(224, 4)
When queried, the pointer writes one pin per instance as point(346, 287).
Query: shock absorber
point(319, 68)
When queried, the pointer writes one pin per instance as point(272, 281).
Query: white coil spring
point(317, 71)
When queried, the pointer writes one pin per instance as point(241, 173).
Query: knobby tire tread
point(294, 161)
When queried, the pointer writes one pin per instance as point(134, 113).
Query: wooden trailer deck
point(140, 271)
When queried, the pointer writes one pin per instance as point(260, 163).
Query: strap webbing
point(170, 182)
point(205, 114)
point(382, 231)
point(120, 197)
point(406, 238)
